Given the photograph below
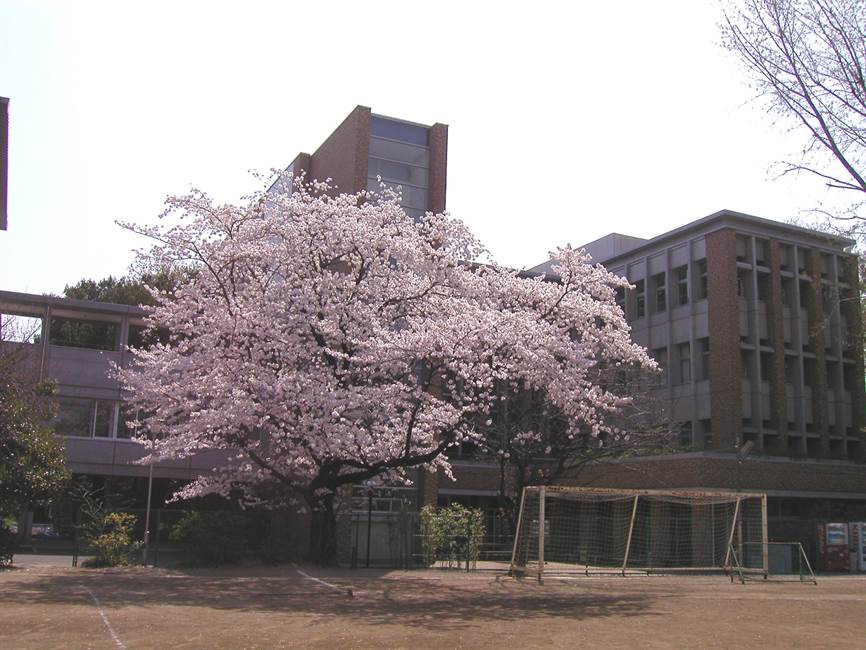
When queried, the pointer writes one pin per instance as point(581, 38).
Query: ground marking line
point(111, 631)
point(349, 591)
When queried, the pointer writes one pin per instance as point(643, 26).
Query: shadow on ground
point(421, 600)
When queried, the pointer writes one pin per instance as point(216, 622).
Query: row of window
point(91, 418)
point(678, 367)
point(654, 295)
point(80, 333)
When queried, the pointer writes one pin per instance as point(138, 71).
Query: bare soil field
point(304, 607)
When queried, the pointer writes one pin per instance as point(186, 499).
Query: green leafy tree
point(113, 540)
point(129, 290)
point(32, 469)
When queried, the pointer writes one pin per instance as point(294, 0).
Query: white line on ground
point(348, 591)
point(111, 631)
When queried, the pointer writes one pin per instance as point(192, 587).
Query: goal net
point(593, 530)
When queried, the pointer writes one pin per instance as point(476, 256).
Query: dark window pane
point(393, 130)
point(104, 419)
point(74, 417)
point(74, 333)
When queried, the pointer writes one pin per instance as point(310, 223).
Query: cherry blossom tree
point(327, 341)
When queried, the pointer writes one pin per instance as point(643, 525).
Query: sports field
point(287, 607)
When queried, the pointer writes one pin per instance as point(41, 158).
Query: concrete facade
point(90, 418)
point(758, 326)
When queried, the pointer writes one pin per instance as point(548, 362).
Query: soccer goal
point(595, 530)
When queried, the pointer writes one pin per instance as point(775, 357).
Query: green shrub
point(212, 538)
point(112, 540)
point(453, 534)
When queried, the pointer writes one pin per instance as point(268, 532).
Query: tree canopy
point(333, 340)
point(32, 468)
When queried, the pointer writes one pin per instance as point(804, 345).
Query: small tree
point(453, 533)
point(111, 538)
point(32, 469)
point(328, 341)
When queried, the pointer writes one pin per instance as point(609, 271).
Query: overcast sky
point(566, 120)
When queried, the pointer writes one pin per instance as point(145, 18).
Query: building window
point(684, 359)
point(707, 430)
point(743, 252)
point(660, 292)
point(761, 252)
point(681, 278)
point(86, 418)
point(704, 348)
point(77, 333)
point(686, 435)
point(640, 299)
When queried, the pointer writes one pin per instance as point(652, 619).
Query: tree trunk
point(323, 530)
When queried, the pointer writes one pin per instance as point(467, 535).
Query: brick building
point(758, 327)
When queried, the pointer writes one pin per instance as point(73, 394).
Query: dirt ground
point(302, 607)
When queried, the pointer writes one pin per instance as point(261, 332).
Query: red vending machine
point(833, 547)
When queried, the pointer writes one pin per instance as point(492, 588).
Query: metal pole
point(369, 522)
point(540, 533)
point(147, 512)
point(765, 552)
point(731, 536)
point(630, 529)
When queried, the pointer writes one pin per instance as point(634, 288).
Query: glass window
point(660, 292)
point(400, 152)
point(686, 434)
point(74, 417)
point(104, 420)
point(681, 277)
point(394, 130)
point(75, 333)
point(685, 363)
point(398, 172)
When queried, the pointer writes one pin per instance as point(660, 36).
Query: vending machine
point(833, 547)
point(857, 542)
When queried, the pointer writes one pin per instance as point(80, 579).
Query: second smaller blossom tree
point(325, 341)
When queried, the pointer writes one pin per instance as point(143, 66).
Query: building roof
point(610, 248)
point(31, 303)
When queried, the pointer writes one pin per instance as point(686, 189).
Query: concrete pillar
point(817, 377)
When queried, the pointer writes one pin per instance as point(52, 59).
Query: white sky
point(566, 120)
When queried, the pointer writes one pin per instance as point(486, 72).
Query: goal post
point(596, 530)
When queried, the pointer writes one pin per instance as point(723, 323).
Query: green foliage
point(113, 543)
point(32, 469)
point(129, 290)
point(212, 538)
point(453, 534)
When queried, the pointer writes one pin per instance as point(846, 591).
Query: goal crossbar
point(604, 530)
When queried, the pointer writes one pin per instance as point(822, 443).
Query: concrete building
point(75, 343)
point(757, 325)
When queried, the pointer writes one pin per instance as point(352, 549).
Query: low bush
point(112, 540)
